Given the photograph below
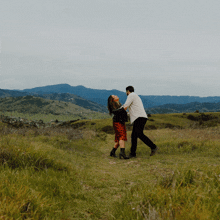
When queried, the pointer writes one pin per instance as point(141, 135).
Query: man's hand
point(125, 108)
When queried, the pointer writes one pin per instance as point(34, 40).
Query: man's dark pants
point(137, 132)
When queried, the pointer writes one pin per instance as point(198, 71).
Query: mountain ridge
point(96, 99)
point(100, 96)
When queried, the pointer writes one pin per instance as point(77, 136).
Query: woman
point(119, 119)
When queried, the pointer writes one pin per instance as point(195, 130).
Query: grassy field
point(67, 173)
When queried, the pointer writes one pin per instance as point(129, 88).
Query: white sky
point(161, 47)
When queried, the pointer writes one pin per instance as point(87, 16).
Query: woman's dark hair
point(130, 89)
point(112, 105)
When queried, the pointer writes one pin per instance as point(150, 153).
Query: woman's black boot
point(122, 154)
point(112, 153)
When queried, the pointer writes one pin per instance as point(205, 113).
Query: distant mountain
point(101, 96)
point(11, 93)
point(189, 107)
point(94, 95)
point(67, 97)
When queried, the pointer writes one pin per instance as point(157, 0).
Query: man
point(138, 118)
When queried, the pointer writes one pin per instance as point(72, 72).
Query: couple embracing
point(138, 118)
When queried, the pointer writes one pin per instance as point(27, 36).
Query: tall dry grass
point(67, 173)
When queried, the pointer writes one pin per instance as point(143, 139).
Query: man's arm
point(128, 102)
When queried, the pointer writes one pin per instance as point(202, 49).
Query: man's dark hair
point(130, 89)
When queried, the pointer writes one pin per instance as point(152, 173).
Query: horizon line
point(22, 90)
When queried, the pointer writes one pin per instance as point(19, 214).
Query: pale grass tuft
point(88, 134)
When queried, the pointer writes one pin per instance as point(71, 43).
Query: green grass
point(68, 174)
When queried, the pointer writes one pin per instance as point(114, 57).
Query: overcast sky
point(161, 47)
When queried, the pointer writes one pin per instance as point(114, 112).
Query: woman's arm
point(118, 111)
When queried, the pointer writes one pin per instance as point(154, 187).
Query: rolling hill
point(38, 105)
point(66, 97)
point(74, 99)
point(189, 107)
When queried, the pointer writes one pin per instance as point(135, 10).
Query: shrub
point(108, 129)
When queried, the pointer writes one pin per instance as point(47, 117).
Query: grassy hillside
point(189, 107)
point(39, 108)
point(163, 121)
point(67, 173)
point(66, 97)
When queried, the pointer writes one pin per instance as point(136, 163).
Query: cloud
point(161, 47)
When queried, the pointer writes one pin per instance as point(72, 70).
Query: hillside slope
point(189, 107)
point(66, 97)
point(74, 99)
point(36, 105)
